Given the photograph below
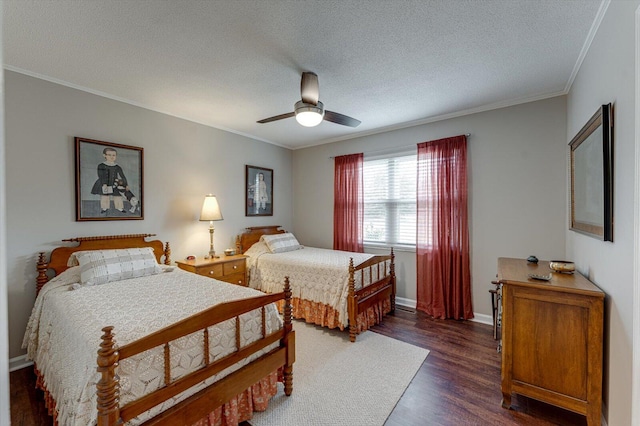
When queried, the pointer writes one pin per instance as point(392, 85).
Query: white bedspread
point(63, 335)
point(315, 274)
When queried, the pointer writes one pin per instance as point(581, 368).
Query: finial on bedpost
point(167, 254)
point(238, 245)
point(42, 278)
point(108, 386)
point(289, 339)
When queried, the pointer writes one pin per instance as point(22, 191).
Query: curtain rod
point(399, 148)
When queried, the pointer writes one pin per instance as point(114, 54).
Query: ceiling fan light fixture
point(309, 115)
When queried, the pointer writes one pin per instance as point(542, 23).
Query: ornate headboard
point(252, 235)
point(60, 256)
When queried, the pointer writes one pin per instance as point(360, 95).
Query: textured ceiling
point(227, 64)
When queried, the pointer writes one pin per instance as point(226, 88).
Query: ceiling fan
point(309, 111)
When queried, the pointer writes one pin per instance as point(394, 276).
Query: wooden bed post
point(167, 254)
point(289, 337)
point(392, 272)
point(352, 303)
point(238, 245)
point(42, 272)
point(108, 385)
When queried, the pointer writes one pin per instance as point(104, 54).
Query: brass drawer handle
point(235, 266)
point(211, 273)
point(240, 282)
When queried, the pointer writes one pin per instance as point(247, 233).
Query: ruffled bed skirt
point(326, 316)
point(237, 410)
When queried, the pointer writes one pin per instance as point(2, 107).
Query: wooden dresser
point(552, 334)
point(231, 269)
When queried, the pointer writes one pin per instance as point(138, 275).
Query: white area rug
point(336, 382)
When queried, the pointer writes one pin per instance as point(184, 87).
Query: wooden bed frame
point(205, 401)
point(358, 301)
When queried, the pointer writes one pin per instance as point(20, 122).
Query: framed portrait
point(592, 176)
point(258, 191)
point(109, 181)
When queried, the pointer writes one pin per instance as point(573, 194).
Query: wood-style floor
point(458, 384)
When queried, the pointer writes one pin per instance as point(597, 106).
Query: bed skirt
point(239, 409)
point(326, 316)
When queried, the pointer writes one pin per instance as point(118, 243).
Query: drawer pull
point(211, 273)
point(240, 282)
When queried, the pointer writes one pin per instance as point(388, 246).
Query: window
point(390, 200)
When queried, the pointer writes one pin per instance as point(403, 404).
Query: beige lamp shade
point(210, 209)
point(210, 212)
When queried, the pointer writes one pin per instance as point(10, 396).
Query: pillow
point(103, 266)
point(279, 243)
point(257, 249)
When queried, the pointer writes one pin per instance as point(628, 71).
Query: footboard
point(380, 286)
point(200, 404)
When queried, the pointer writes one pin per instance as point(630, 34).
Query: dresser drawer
point(213, 271)
point(238, 279)
point(233, 267)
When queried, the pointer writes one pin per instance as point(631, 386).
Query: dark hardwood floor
point(458, 384)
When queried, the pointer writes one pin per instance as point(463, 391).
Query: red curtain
point(442, 245)
point(348, 207)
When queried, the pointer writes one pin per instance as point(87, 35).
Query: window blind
point(390, 200)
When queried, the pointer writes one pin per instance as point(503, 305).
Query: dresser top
point(516, 272)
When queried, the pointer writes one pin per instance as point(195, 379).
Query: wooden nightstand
point(231, 269)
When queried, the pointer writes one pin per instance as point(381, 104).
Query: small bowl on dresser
point(563, 266)
point(229, 252)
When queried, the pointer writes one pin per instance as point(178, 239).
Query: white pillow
point(103, 266)
point(257, 249)
point(279, 243)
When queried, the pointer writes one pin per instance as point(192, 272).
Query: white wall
point(183, 161)
point(517, 189)
point(607, 75)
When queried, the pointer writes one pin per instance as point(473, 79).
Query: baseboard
point(411, 304)
point(19, 363)
point(482, 318)
point(407, 303)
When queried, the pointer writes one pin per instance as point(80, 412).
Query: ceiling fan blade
point(277, 117)
point(309, 88)
point(337, 118)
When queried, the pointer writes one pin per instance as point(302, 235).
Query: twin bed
point(330, 288)
point(190, 350)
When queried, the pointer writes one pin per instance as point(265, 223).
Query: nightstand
point(231, 269)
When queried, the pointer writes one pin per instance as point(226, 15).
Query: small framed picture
point(109, 181)
point(259, 191)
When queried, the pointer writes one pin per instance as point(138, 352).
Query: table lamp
point(210, 211)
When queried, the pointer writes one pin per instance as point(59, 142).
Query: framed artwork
point(258, 191)
point(109, 181)
point(592, 177)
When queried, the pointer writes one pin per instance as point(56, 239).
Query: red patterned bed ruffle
point(326, 316)
point(237, 410)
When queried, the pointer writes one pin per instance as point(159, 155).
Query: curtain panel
point(442, 243)
point(348, 207)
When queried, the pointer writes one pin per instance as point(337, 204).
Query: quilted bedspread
point(315, 274)
point(63, 335)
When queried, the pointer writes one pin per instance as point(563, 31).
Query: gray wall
point(183, 161)
point(607, 75)
point(4, 331)
point(517, 189)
